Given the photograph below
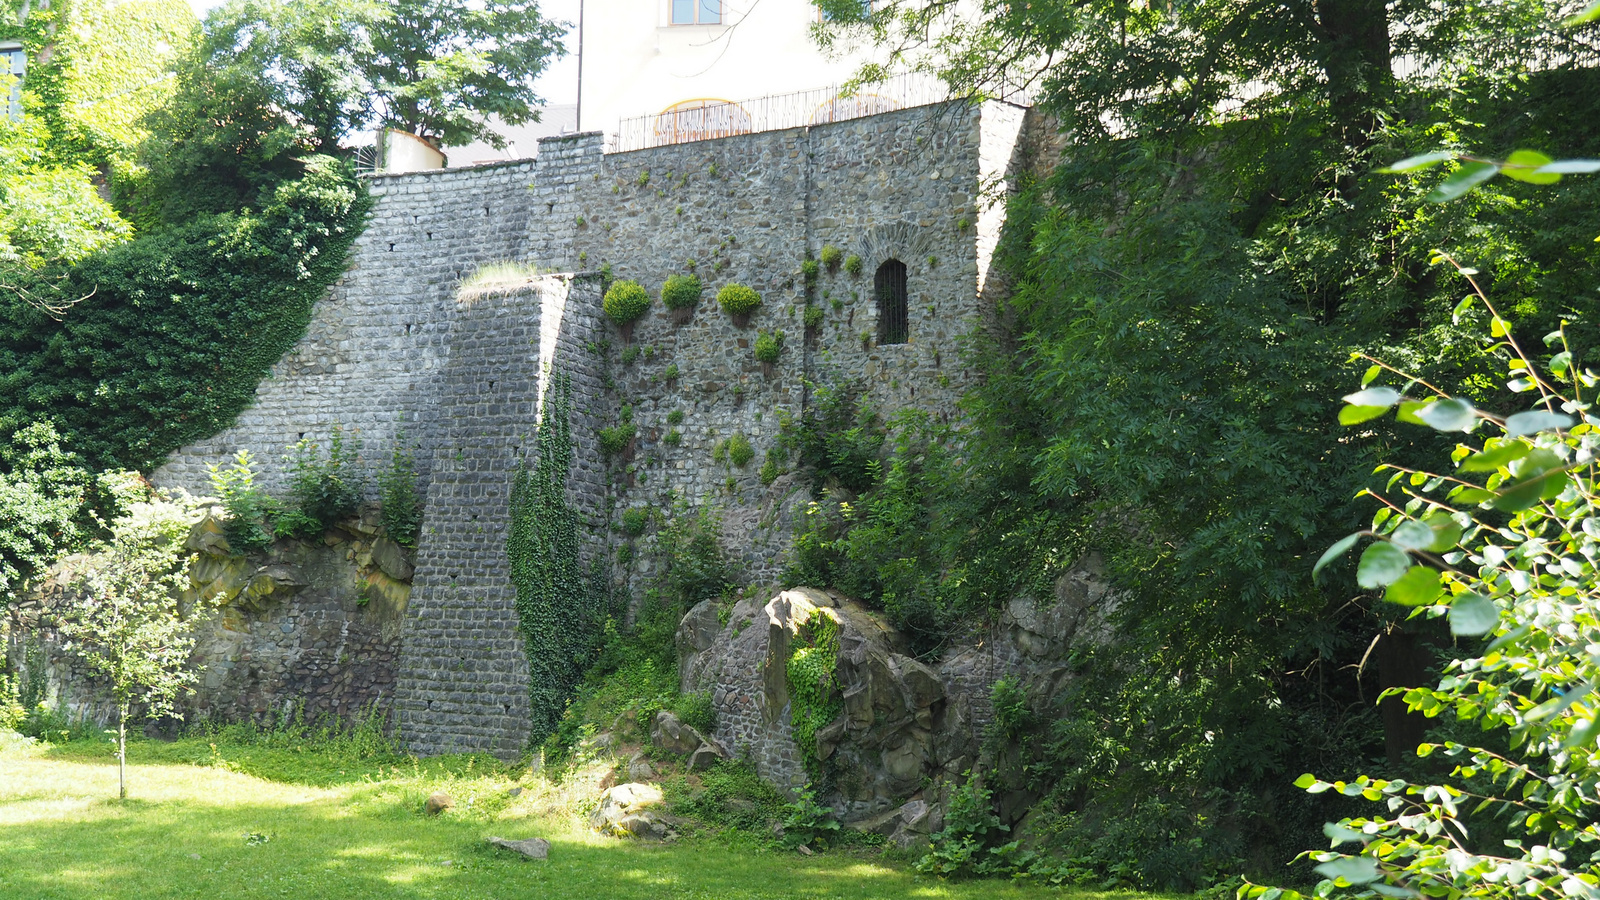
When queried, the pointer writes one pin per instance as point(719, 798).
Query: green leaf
point(1555, 706)
point(1382, 564)
point(1454, 414)
point(1412, 535)
point(1464, 179)
point(1446, 532)
point(1419, 586)
point(1408, 412)
point(1355, 415)
point(1306, 780)
point(1417, 163)
point(1340, 548)
point(1472, 615)
point(1378, 396)
point(1520, 496)
point(1371, 373)
point(1527, 165)
point(1342, 835)
point(1463, 306)
point(1583, 735)
point(1534, 421)
point(1354, 869)
point(1492, 459)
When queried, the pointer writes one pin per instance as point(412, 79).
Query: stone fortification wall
point(918, 186)
point(390, 346)
point(463, 681)
point(376, 343)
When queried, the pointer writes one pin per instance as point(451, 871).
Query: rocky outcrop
point(307, 625)
point(903, 723)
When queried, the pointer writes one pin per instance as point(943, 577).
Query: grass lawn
point(199, 824)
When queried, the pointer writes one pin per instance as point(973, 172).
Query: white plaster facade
point(636, 61)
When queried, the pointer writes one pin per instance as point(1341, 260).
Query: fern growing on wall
point(558, 608)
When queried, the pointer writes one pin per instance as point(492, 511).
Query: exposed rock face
point(671, 735)
point(308, 625)
point(903, 720)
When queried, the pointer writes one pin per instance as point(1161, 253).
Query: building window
point(13, 65)
point(889, 284)
point(844, 10)
point(697, 12)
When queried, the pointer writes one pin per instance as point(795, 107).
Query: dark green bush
point(175, 329)
point(852, 265)
point(739, 451)
point(831, 256)
point(682, 292)
point(813, 316)
point(738, 300)
point(626, 301)
point(616, 439)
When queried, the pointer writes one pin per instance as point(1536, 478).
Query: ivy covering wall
point(164, 339)
point(559, 609)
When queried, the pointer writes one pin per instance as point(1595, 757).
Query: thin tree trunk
point(122, 752)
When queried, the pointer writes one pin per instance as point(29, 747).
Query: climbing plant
point(814, 698)
point(558, 609)
point(164, 339)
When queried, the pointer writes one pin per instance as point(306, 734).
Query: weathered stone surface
point(669, 733)
point(626, 811)
point(639, 768)
point(705, 756)
point(391, 558)
point(904, 720)
point(437, 803)
point(532, 848)
point(696, 633)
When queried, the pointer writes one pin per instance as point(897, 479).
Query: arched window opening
point(889, 284)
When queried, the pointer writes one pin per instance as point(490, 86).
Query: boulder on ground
point(639, 768)
point(669, 733)
point(437, 803)
point(532, 848)
point(624, 811)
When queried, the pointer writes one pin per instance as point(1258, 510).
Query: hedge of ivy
point(176, 329)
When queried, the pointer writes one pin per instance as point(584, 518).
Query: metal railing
point(699, 120)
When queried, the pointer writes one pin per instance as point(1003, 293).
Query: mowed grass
point(208, 831)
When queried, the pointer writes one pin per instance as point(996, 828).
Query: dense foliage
point(1191, 277)
point(174, 331)
point(1504, 547)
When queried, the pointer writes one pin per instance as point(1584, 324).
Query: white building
point(662, 71)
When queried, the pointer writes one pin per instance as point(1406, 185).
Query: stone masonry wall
point(463, 683)
point(376, 343)
point(390, 347)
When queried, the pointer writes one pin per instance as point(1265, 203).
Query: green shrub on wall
point(626, 301)
point(397, 486)
point(738, 300)
point(560, 612)
point(682, 292)
point(768, 346)
point(814, 699)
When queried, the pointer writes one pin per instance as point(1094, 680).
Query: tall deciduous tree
point(437, 68)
